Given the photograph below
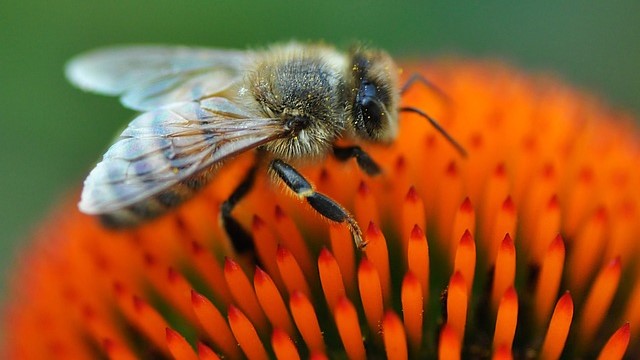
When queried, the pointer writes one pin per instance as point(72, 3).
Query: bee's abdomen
point(157, 205)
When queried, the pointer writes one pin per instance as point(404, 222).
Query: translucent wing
point(162, 147)
point(149, 76)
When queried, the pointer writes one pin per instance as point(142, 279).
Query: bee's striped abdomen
point(157, 205)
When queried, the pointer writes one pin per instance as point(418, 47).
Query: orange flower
point(526, 248)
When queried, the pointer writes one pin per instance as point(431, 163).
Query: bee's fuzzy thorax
point(305, 82)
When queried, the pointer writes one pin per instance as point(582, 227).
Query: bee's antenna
point(437, 126)
point(416, 78)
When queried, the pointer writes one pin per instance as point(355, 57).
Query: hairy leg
point(323, 204)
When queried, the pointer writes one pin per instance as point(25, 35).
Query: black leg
point(240, 238)
point(323, 204)
point(365, 162)
point(418, 78)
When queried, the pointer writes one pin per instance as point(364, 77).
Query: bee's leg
point(240, 238)
point(365, 162)
point(323, 204)
point(418, 78)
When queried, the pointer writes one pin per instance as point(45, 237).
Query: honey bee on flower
point(526, 249)
point(201, 107)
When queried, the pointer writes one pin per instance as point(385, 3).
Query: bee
point(200, 107)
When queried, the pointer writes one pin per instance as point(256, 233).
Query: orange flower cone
point(525, 248)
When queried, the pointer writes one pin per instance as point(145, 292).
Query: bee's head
point(374, 95)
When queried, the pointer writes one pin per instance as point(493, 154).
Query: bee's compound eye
point(370, 110)
point(368, 90)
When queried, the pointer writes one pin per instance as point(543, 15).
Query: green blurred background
point(51, 134)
